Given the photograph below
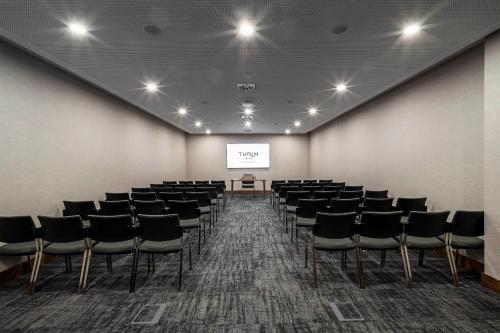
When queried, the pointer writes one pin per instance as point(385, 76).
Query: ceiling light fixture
point(208, 131)
point(313, 111)
point(182, 111)
point(245, 29)
point(411, 29)
point(151, 87)
point(287, 131)
point(198, 123)
point(77, 29)
point(248, 123)
point(341, 87)
point(296, 123)
point(248, 111)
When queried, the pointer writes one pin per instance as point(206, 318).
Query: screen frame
point(250, 143)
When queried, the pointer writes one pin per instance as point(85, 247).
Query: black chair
point(291, 203)
point(203, 182)
point(406, 205)
point(353, 188)
point(311, 189)
point(334, 232)
point(186, 182)
point(220, 186)
point(189, 216)
point(22, 239)
point(380, 231)
point(295, 181)
point(376, 194)
point(282, 197)
point(275, 190)
point(306, 218)
point(377, 204)
point(81, 208)
point(345, 205)
point(64, 236)
point(141, 189)
point(350, 194)
point(204, 204)
point(332, 188)
point(425, 231)
point(322, 184)
point(112, 235)
point(117, 196)
point(328, 181)
point(119, 207)
point(325, 195)
point(309, 181)
point(162, 189)
point(167, 196)
point(144, 196)
point(338, 184)
point(153, 186)
point(162, 234)
point(170, 182)
point(466, 228)
point(153, 207)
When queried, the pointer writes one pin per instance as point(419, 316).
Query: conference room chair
point(186, 182)
point(353, 188)
point(377, 205)
point(275, 184)
point(162, 189)
point(306, 218)
point(203, 182)
point(325, 195)
point(466, 228)
point(282, 197)
point(150, 207)
point(66, 237)
point(153, 186)
point(294, 181)
point(112, 235)
point(81, 208)
point(426, 231)
point(309, 181)
point(221, 190)
point(333, 233)
point(406, 205)
point(21, 239)
point(376, 194)
point(332, 188)
point(345, 205)
point(119, 207)
point(322, 184)
point(380, 231)
point(141, 189)
point(189, 217)
point(144, 196)
point(167, 196)
point(351, 194)
point(162, 234)
point(339, 184)
point(327, 181)
point(291, 203)
point(183, 188)
point(114, 196)
point(311, 189)
point(212, 193)
point(170, 182)
point(204, 204)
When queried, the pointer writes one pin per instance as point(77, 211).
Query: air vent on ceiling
point(246, 86)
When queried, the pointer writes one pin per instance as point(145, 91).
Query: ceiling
point(294, 58)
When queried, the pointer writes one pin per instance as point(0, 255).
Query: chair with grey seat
point(189, 217)
point(64, 236)
point(374, 194)
point(81, 208)
point(186, 182)
point(162, 189)
point(466, 228)
point(282, 197)
point(167, 196)
point(275, 190)
point(162, 234)
point(309, 181)
point(295, 182)
point(117, 196)
point(143, 196)
point(150, 207)
point(353, 188)
point(153, 186)
point(338, 184)
point(220, 187)
point(350, 194)
point(426, 231)
point(327, 181)
point(119, 207)
point(291, 203)
point(311, 189)
point(170, 182)
point(202, 182)
point(306, 218)
point(332, 188)
point(377, 205)
point(204, 204)
point(334, 232)
point(212, 194)
point(407, 205)
point(21, 239)
point(325, 195)
point(141, 189)
point(380, 231)
point(345, 205)
point(112, 235)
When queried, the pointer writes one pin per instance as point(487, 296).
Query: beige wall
point(424, 138)
point(492, 156)
point(206, 157)
point(61, 139)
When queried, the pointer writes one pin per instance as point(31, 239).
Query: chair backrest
point(309, 181)
point(247, 176)
point(353, 188)
point(322, 184)
point(16, 229)
point(212, 191)
point(330, 225)
point(170, 182)
point(377, 204)
point(376, 194)
point(308, 208)
point(468, 223)
point(153, 186)
point(119, 207)
point(350, 194)
point(116, 228)
point(426, 224)
point(153, 207)
point(327, 181)
point(332, 188)
point(218, 186)
point(294, 181)
point(185, 182)
point(381, 224)
point(311, 189)
point(325, 195)
point(284, 190)
point(340, 184)
point(201, 182)
point(141, 189)
point(167, 196)
point(203, 198)
point(292, 197)
point(160, 228)
point(185, 209)
point(117, 196)
point(345, 205)
point(406, 205)
point(144, 196)
point(162, 189)
point(62, 229)
point(82, 208)
point(218, 183)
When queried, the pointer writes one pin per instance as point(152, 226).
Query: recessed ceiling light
point(248, 123)
point(246, 29)
point(287, 131)
point(248, 111)
point(151, 87)
point(296, 123)
point(313, 111)
point(198, 123)
point(208, 131)
point(182, 111)
point(341, 87)
point(411, 29)
point(77, 29)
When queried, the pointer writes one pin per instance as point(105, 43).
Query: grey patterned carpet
point(248, 279)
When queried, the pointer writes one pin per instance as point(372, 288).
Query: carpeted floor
point(248, 279)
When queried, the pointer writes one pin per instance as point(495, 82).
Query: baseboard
point(490, 283)
point(16, 271)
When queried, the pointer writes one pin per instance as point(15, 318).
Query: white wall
point(206, 157)
point(63, 140)
point(424, 138)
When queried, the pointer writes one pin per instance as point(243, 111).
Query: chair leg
point(453, 268)
point(153, 262)
point(359, 262)
point(408, 264)
point(133, 275)
point(148, 256)
point(199, 240)
point(204, 233)
point(66, 264)
point(87, 268)
point(190, 259)
point(179, 283)
point(286, 221)
point(28, 263)
point(344, 260)
point(421, 258)
point(82, 270)
point(70, 264)
point(305, 252)
point(296, 238)
point(291, 230)
point(403, 258)
point(382, 258)
point(314, 266)
point(34, 273)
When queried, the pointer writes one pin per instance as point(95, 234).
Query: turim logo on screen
point(248, 155)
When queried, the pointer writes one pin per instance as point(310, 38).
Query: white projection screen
point(247, 155)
